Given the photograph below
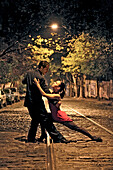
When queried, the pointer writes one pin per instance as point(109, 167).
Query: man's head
point(43, 67)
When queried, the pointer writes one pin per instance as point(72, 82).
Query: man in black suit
point(36, 107)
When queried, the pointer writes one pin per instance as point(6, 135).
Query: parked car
point(9, 96)
point(14, 91)
point(3, 101)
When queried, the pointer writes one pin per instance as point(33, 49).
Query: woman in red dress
point(58, 115)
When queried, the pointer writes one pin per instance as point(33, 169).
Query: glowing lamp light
point(54, 26)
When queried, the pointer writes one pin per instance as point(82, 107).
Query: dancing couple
point(36, 88)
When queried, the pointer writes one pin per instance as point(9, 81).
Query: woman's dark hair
point(43, 64)
point(62, 90)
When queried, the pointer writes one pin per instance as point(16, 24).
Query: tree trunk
point(75, 87)
point(70, 94)
point(81, 87)
point(98, 97)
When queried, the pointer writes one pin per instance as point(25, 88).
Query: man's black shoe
point(62, 141)
point(32, 141)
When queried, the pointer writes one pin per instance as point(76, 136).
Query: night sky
point(18, 18)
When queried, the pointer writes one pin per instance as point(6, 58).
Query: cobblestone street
point(80, 153)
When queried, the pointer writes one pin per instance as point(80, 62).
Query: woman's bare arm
point(49, 96)
point(58, 104)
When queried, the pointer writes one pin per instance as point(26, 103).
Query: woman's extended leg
point(72, 126)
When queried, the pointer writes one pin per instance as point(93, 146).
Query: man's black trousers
point(38, 115)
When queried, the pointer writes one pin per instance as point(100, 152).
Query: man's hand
point(37, 82)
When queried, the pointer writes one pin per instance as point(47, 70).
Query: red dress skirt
point(58, 115)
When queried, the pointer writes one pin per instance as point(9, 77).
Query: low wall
point(91, 88)
point(105, 89)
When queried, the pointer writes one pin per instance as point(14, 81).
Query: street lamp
point(54, 26)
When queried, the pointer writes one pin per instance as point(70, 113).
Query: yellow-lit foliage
point(81, 50)
point(79, 54)
point(37, 51)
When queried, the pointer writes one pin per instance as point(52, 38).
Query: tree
point(5, 72)
point(49, 49)
point(19, 19)
point(12, 67)
point(88, 55)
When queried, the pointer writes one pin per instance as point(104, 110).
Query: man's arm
point(44, 85)
point(49, 96)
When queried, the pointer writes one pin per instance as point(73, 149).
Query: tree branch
point(9, 47)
